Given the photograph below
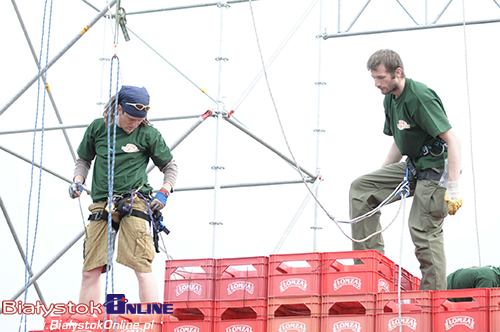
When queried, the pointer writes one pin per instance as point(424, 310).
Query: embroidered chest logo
point(130, 148)
point(402, 125)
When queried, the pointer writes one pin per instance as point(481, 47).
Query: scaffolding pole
point(20, 248)
point(281, 155)
point(51, 97)
point(296, 217)
point(58, 55)
point(415, 28)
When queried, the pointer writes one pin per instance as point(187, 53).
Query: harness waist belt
point(103, 215)
point(426, 174)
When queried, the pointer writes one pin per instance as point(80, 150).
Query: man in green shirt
point(415, 118)
point(474, 277)
point(136, 143)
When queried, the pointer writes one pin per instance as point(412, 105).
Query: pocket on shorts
point(144, 247)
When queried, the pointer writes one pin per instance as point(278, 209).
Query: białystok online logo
point(115, 304)
point(118, 304)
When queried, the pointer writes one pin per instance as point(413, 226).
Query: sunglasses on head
point(140, 107)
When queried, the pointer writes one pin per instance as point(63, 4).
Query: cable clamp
point(223, 5)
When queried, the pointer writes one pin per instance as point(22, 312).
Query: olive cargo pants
point(425, 221)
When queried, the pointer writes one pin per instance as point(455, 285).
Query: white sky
point(253, 218)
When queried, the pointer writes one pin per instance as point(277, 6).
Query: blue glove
point(159, 200)
point(75, 189)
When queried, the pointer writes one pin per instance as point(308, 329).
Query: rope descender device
point(405, 187)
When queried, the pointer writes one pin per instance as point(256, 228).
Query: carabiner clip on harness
point(426, 149)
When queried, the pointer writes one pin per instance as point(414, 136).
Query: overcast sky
point(460, 67)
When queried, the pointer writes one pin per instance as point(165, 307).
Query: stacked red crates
point(294, 302)
point(460, 310)
point(351, 281)
point(190, 287)
point(241, 294)
point(409, 282)
point(410, 310)
point(495, 309)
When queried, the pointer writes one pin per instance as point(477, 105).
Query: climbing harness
point(427, 174)
point(436, 149)
point(122, 207)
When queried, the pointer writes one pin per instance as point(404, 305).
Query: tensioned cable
point(171, 65)
point(470, 133)
point(27, 275)
point(385, 202)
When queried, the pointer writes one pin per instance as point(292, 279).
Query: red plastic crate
point(189, 280)
point(193, 316)
point(242, 278)
point(191, 311)
point(188, 326)
point(342, 277)
point(408, 281)
point(241, 325)
point(295, 275)
point(416, 311)
point(452, 316)
point(241, 309)
point(294, 306)
point(294, 324)
point(495, 309)
point(354, 312)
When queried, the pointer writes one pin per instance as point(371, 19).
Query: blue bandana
point(133, 95)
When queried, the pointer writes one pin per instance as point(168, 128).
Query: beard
point(392, 86)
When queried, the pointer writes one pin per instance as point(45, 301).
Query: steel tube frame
point(75, 126)
point(273, 56)
point(58, 55)
point(420, 27)
point(51, 97)
point(48, 265)
point(20, 248)
point(288, 160)
point(208, 4)
point(239, 185)
point(296, 217)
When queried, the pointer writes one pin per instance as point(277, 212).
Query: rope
point(385, 202)
point(27, 275)
point(111, 174)
point(470, 133)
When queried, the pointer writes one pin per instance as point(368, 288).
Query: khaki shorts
point(135, 244)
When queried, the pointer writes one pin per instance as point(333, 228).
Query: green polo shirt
point(474, 277)
point(131, 157)
point(415, 119)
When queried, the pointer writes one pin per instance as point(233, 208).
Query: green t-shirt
point(131, 157)
point(415, 119)
point(474, 277)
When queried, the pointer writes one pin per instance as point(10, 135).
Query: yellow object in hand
point(453, 204)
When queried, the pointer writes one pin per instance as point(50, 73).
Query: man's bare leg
point(91, 286)
point(148, 289)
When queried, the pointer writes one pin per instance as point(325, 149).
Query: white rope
point(385, 202)
point(470, 134)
